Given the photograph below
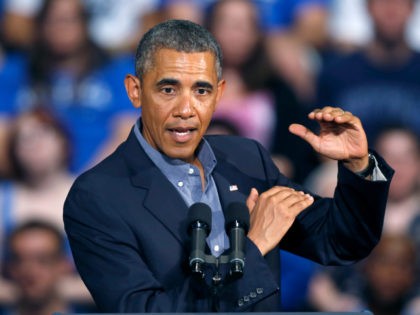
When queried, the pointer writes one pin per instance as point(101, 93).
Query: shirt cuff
point(377, 174)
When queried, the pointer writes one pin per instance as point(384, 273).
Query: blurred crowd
point(63, 108)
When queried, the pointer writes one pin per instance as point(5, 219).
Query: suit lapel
point(161, 199)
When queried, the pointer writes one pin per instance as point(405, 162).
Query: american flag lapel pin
point(233, 188)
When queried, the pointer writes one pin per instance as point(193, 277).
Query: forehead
point(170, 60)
point(34, 240)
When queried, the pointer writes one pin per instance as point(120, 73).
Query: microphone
point(199, 226)
point(237, 225)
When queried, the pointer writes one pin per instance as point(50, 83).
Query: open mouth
point(182, 130)
point(182, 134)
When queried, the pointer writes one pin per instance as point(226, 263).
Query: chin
point(181, 155)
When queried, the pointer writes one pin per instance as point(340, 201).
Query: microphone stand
point(217, 281)
point(216, 286)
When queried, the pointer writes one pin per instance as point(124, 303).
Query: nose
point(185, 108)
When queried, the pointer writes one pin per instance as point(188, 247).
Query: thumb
point(304, 133)
point(252, 199)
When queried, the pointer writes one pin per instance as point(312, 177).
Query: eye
point(168, 90)
point(202, 91)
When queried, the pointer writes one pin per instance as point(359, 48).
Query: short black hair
point(36, 225)
point(180, 35)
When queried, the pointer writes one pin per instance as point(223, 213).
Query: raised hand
point(341, 137)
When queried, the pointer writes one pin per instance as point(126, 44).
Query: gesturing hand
point(341, 137)
point(272, 214)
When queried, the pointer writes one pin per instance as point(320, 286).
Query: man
point(126, 218)
point(380, 82)
point(36, 263)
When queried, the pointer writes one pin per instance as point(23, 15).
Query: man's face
point(390, 18)
point(37, 265)
point(178, 96)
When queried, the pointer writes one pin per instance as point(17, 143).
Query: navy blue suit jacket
point(127, 229)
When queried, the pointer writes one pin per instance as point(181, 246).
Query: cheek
point(205, 113)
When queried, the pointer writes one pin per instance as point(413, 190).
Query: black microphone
point(199, 226)
point(237, 225)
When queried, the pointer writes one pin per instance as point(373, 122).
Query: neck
point(389, 53)
point(45, 180)
point(75, 63)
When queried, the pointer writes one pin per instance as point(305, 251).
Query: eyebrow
point(167, 81)
point(203, 84)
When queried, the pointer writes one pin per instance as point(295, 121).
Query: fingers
point(288, 198)
point(305, 134)
point(298, 201)
point(330, 114)
point(252, 199)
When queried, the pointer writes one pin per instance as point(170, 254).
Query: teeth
point(182, 132)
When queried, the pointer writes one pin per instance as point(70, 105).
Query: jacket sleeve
point(339, 230)
point(344, 229)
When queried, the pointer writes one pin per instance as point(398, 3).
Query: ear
point(64, 267)
point(220, 90)
point(133, 89)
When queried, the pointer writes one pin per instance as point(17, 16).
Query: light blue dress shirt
point(186, 179)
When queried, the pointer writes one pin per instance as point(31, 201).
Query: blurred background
point(63, 108)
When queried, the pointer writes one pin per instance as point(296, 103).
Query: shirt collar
point(172, 166)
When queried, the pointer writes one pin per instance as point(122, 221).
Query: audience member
point(385, 283)
point(350, 24)
point(39, 151)
point(401, 147)
point(258, 102)
point(12, 79)
point(114, 25)
point(246, 102)
point(36, 263)
point(40, 155)
point(298, 46)
point(75, 78)
point(390, 274)
point(379, 83)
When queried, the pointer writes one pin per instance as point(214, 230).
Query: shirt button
point(260, 290)
point(253, 295)
point(191, 171)
point(246, 298)
point(180, 184)
point(240, 302)
point(216, 248)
